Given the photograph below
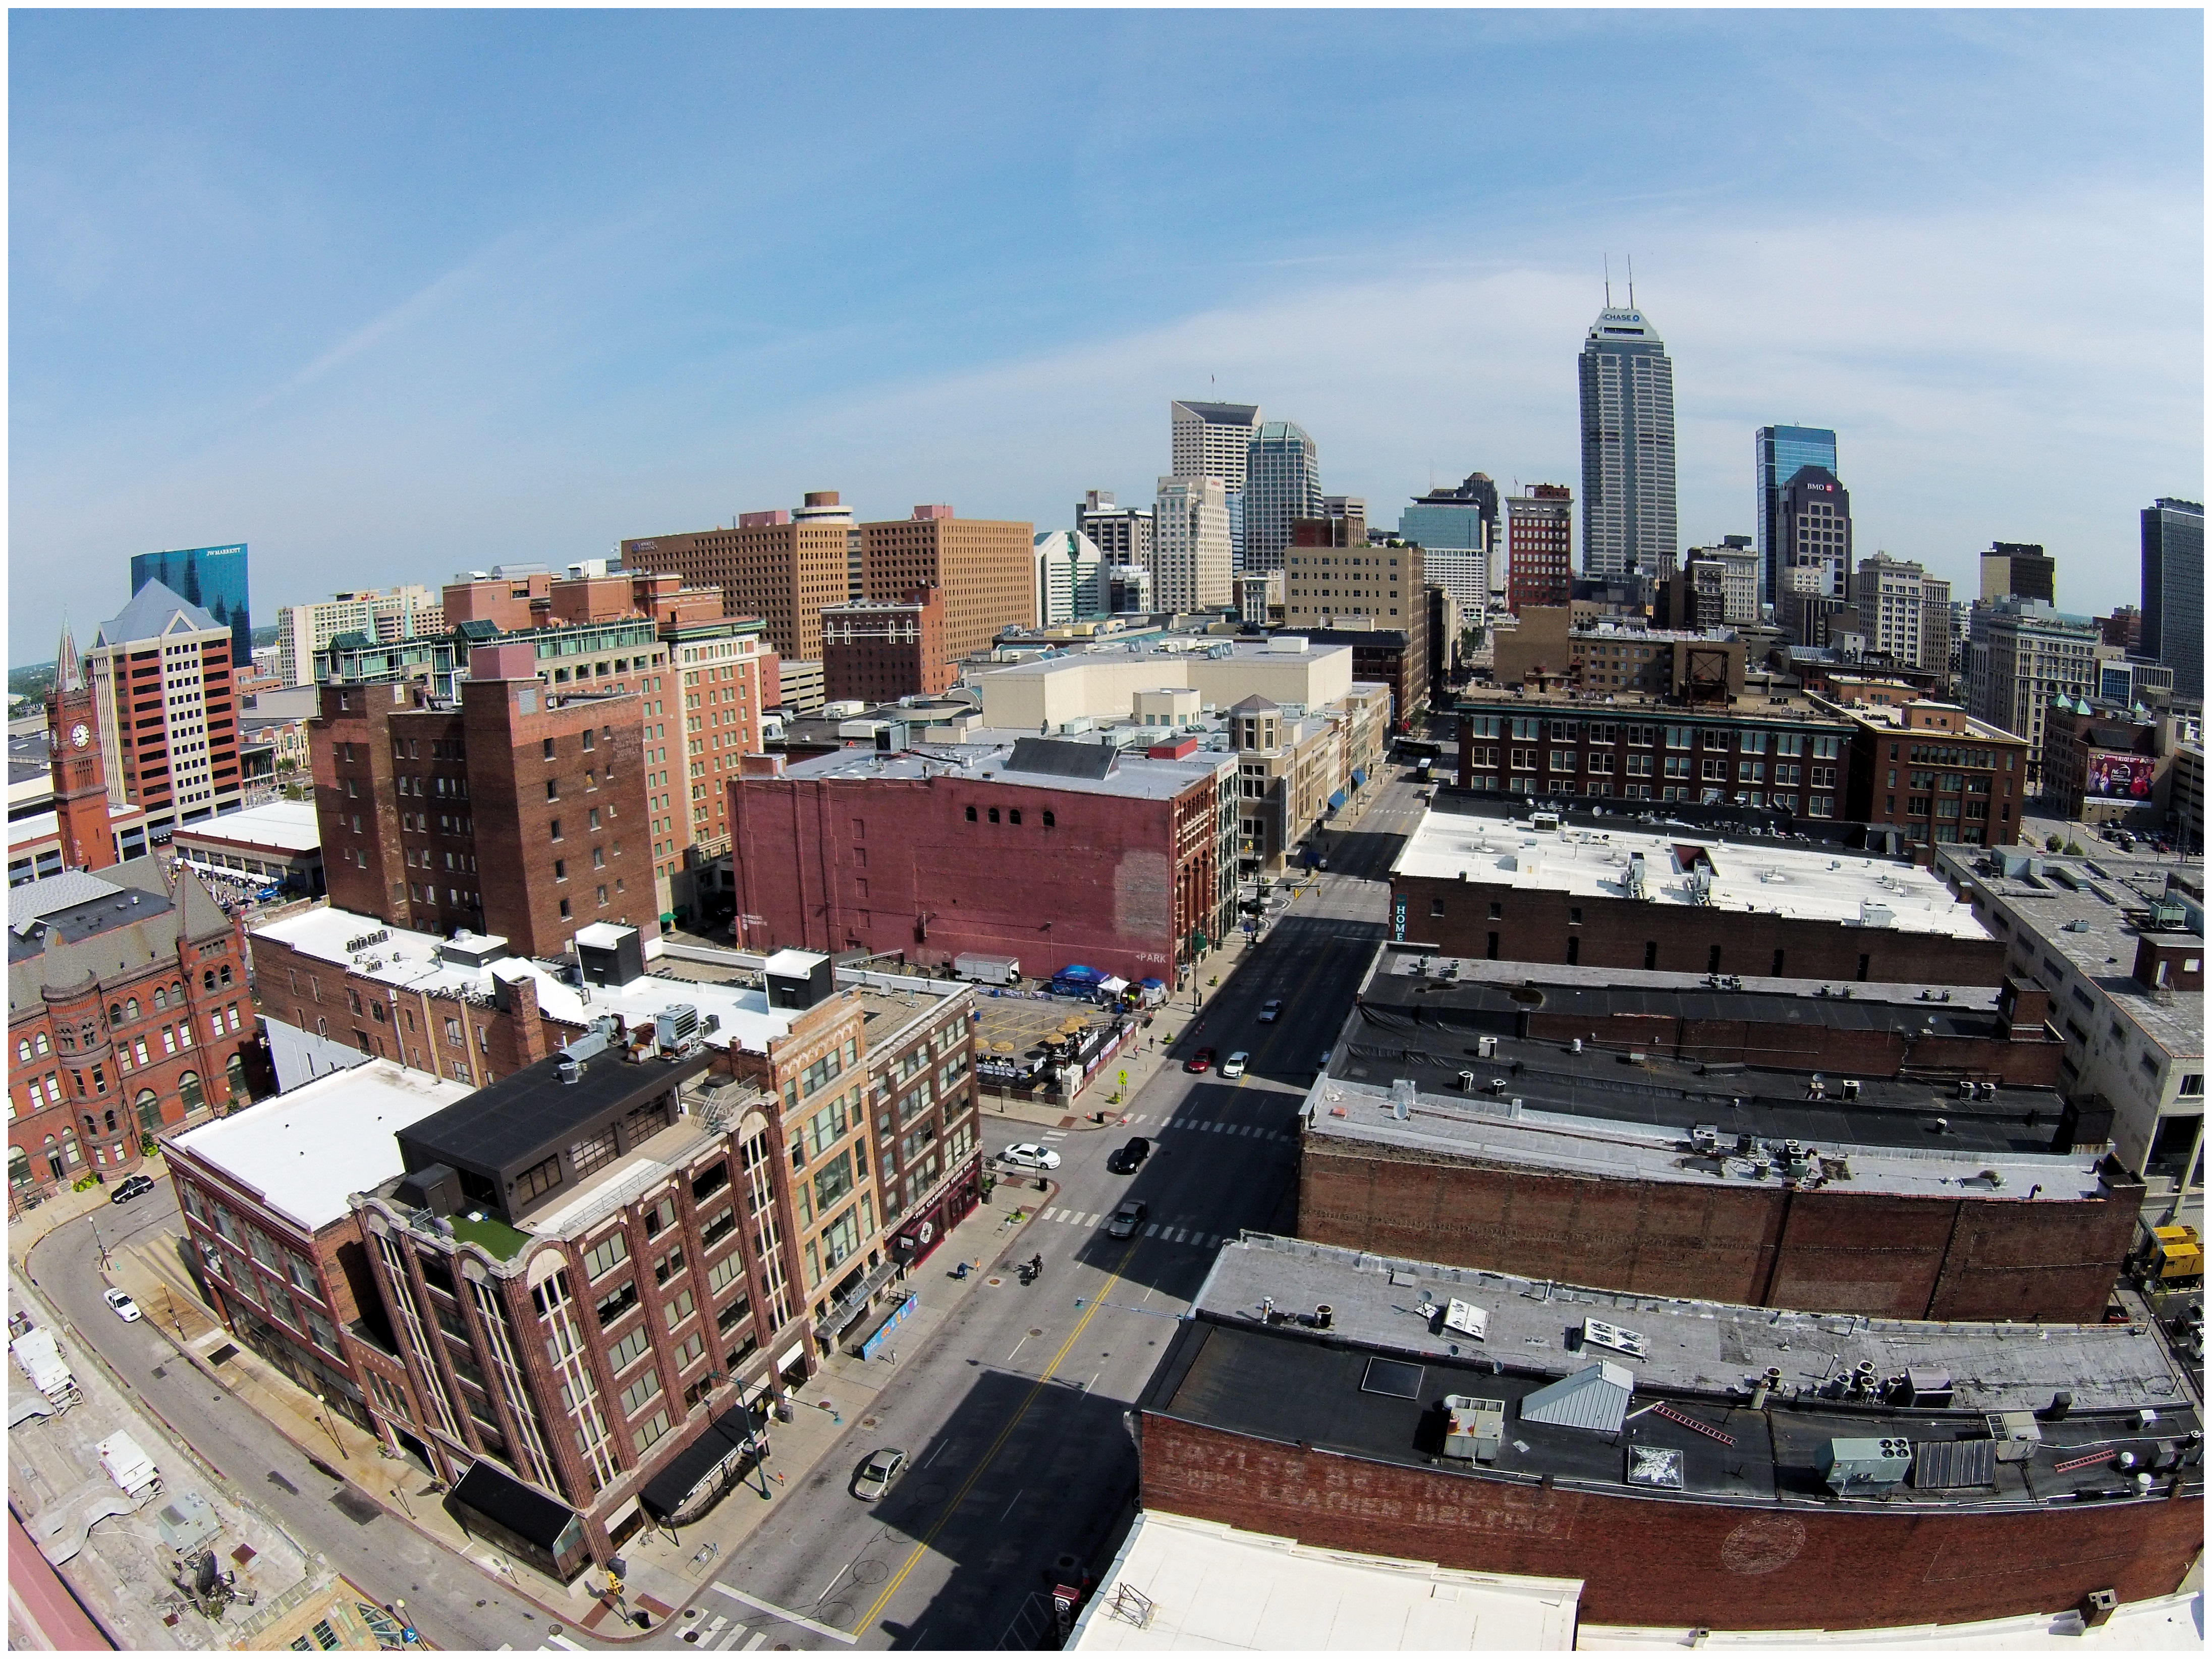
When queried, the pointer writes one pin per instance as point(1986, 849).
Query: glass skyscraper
point(2173, 591)
point(1628, 447)
point(1777, 452)
point(1282, 481)
point(213, 578)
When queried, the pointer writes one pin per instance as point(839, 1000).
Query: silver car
point(1029, 1155)
point(877, 1472)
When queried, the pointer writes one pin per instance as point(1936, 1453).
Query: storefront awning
point(728, 1436)
point(527, 1513)
point(1336, 800)
point(1358, 777)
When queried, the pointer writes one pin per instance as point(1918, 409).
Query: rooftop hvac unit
point(1485, 1047)
point(1597, 1333)
point(1856, 1465)
point(676, 1026)
point(1466, 1319)
point(1474, 1428)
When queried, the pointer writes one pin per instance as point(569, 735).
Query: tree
point(2052, 843)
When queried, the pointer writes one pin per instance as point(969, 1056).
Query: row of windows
point(1013, 816)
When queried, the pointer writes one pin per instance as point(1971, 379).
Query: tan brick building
point(780, 565)
point(987, 568)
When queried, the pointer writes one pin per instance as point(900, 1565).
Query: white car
point(1271, 1011)
point(1029, 1155)
point(1235, 1064)
point(126, 1308)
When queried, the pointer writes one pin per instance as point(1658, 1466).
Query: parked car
point(876, 1473)
point(1200, 1061)
point(1271, 1011)
point(1029, 1155)
point(126, 1308)
point(1128, 1216)
point(131, 1188)
point(1235, 1064)
point(1130, 1157)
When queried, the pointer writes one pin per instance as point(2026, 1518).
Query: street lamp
point(328, 1427)
point(406, 1631)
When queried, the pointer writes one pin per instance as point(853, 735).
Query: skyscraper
point(1282, 481)
point(1777, 452)
point(2173, 591)
point(1464, 517)
point(1123, 535)
point(1192, 567)
point(213, 578)
point(1539, 547)
point(2019, 570)
point(1210, 441)
point(1812, 548)
point(1628, 445)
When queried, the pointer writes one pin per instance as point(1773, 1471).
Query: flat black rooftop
point(513, 1121)
point(1293, 1387)
point(1382, 1043)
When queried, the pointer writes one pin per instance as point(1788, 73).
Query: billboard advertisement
point(2119, 777)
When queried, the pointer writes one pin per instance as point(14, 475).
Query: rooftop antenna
point(1632, 281)
point(1608, 258)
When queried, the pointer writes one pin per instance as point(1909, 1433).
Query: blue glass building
point(1777, 452)
point(213, 578)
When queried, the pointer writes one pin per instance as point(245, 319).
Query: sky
point(392, 294)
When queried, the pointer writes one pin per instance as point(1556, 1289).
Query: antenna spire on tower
point(1632, 281)
point(1608, 280)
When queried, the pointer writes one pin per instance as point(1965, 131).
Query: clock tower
point(80, 777)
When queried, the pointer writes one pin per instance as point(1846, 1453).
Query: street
point(1013, 1416)
point(451, 1602)
point(1013, 1411)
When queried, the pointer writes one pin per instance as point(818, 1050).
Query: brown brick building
point(521, 812)
point(877, 651)
point(1937, 774)
point(986, 569)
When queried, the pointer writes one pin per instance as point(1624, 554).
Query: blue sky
point(392, 294)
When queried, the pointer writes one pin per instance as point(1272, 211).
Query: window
point(625, 1353)
point(555, 827)
point(650, 1430)
point(604, 1255)
point(971, 815)
point(646, 1389)
point(668, 1266)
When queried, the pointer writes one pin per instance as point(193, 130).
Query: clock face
point(80, 734)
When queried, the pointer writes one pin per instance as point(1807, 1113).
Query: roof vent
point(1595, 1398)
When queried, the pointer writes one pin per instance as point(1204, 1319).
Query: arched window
point(225, 973)
point(115, 1014)
point(177, 993)
point(67, 1038)
point(131, 1009)
point(149, 1112)
point(161, 997)
point(19, 1167)
point(23, 1049)
point(207, 980)
point(42, 1043)
point(240, 1095)
point(188, 1091)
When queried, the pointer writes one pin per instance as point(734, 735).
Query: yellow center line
point(984, 1462)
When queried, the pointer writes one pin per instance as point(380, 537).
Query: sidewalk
point(667, 1575)
point(157, 1281)
point(664, 1576)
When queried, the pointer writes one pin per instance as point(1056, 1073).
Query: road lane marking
point(1153, 1231)
point(1009, 1510)
point(1013, 1421)
point(784, 1614)
point(1018, 1348)
point(759, 1637)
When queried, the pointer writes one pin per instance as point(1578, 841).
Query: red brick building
point(128, 1012)
point(521, 811)
point(1050, 852)
point(1299, 1400)
point(877, 651)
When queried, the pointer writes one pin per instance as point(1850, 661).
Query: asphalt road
point(450, 1600)
point(1015, 1415)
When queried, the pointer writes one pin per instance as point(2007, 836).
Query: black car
point(133, 1188)
point(1129, 1159)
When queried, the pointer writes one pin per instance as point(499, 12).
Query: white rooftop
point(305, 1152)
point(2161, 1624)
point(1201, 1585)
point(286, 826)
point(1686, 866)
point(599, 935)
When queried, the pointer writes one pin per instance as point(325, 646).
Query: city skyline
point(377, 372)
